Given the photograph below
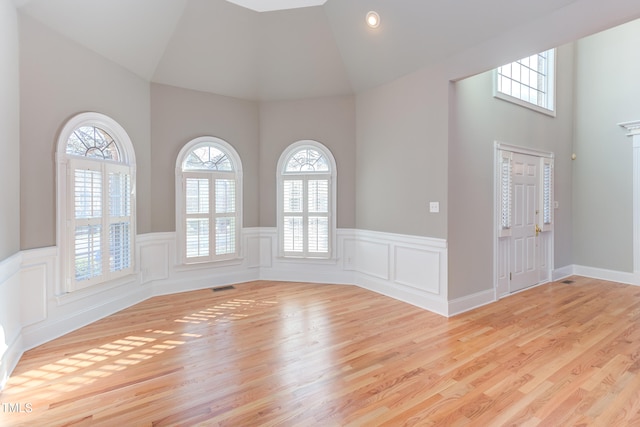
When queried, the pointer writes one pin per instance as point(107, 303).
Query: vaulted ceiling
point(323, 48)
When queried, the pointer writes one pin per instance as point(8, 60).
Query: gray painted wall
point(58, 80)
point(607, 93)
point(391, 144)
point(401, 155)
point(478, 120)
point(181, 115)
point(330, 121)
point(9, 132)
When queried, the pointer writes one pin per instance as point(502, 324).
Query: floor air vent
point(568, 281)
point(223, 288)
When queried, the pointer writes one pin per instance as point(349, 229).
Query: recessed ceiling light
point(373, 19)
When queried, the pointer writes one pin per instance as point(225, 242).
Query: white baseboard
point(433, 303)
point(562, 272)
point(469, 302)
point(610, 275)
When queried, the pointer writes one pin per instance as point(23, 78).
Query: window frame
point(283, 176)
point(66, 164)
point(550, 72)
point(210, 175)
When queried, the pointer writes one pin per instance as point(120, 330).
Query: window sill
point(525, 104)
point(302, 260)
point(202, 265)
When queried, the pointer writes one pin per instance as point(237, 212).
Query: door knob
point(538, 230)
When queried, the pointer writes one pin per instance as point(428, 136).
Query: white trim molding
point(633, 130)
point(11, 345)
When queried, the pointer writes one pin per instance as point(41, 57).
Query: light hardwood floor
point(295, 354)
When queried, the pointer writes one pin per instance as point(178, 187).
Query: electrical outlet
point(434, 207)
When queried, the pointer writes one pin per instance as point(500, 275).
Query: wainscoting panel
point(33, 294)
point(408, 268)
point(373, 258)
point(418, 268)
point(252, 251)
point(155, 256)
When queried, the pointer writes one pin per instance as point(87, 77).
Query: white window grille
point(529, 82)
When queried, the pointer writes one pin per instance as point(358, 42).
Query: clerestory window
point(529, 82)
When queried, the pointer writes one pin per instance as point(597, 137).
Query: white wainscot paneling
point(349, 248)
point(373, 258)
point(257, 248)
point(418, 268)
point(33, 294)
point(179, 277)
point(155, 251)
point(408, 268)
point(38, 279)
point(274, 267)
point(11, 347)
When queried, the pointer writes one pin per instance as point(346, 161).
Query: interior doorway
point(524, 218)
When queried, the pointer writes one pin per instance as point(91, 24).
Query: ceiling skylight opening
point(271, 5)
point(373, 19)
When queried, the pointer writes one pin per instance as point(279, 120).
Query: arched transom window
point(208, 209)
point(306, 200)
point(96, 204)
point(94, 143)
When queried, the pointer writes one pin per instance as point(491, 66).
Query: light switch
point(434, 207)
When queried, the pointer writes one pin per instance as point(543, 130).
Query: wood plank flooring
point(295, 354)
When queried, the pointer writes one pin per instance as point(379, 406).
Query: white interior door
point(525, 254)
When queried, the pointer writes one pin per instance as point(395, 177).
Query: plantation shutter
point(293, 209)
point(211, 216)
point(305, 216)
point(100, 222)
point(86, 223)
point(120, 219)
point(225, 216)
point(318, 219)
point(505, 179)
point(547, 194)
point(197, 226)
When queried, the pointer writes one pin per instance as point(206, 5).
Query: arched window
point(96, 203)
point(306, 201)
point(208, 201)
